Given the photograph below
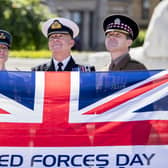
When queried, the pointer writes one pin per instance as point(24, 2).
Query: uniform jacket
point(71, 66)
point(126, 63)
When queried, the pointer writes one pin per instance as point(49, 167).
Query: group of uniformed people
point(120, 32)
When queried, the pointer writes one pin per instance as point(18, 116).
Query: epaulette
point(85, 68)
point(43, 67)
point(135, 61)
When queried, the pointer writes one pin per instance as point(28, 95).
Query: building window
point(77, 16)
point(145, 9)
point(85, 21)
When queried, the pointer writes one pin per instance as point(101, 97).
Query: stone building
point(89, 15)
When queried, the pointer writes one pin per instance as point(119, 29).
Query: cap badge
point(117, 21)
point(2, 36)
point(56, 25)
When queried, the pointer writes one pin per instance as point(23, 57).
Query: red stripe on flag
point(128, 96)
point(3, 112)
point(56, 116)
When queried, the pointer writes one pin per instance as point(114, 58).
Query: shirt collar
point(65, 62)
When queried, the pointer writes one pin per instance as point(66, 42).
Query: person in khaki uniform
point(120, 32)
point(5, 44)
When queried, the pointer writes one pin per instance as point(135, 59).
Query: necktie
point(60, 64)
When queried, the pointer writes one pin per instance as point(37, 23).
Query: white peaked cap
point(66, 22)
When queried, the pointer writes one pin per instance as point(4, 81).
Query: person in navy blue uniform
point(12, 84)
point(61, 33)
point(5, 44)
point(120, 32)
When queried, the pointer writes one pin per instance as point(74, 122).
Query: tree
point(22, 19)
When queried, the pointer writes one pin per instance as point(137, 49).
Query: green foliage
point(140, 40)
point(22, 19)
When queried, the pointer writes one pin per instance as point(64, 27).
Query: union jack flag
point(71, 109)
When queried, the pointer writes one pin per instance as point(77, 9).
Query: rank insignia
point(56, 25)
